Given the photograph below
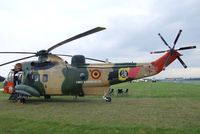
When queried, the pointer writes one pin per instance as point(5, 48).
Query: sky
point(132, 28)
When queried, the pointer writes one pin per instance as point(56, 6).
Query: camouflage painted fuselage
point(56, 77)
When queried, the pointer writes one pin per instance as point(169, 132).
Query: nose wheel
point(16, 97)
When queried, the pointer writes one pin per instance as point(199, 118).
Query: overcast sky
point(132, 29)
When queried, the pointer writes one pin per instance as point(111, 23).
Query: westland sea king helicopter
point(50, 75)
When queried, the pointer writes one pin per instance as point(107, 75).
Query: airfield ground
point(149, 108)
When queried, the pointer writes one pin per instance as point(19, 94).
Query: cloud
point(132, 28)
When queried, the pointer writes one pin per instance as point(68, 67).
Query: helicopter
point(51, 75)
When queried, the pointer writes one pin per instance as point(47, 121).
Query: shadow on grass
point(64, 100)
point(56, 99)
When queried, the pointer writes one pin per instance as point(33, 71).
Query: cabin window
point(36, 77)
point(45, 78)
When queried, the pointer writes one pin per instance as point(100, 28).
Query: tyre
point(108, 99)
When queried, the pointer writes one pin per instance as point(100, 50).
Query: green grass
point(149, 108)
point(1, 84)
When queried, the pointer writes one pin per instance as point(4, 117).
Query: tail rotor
point(172, 50)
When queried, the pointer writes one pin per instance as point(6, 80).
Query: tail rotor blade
point(177, 37)
point(164, 40)
point(157, 52)
point(185, 48)
point(181, 61)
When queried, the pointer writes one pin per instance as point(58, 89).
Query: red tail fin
point(160, 63)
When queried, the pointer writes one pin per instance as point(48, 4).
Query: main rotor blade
point(85, 57)
point(17, 60)
point(96, 60)
point(185, 48)
point(181, 61)
point(178, 35)
point(17, 53)
point(164, 40)
point(97, 29)
point(64, 55)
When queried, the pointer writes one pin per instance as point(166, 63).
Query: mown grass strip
point(149, 108)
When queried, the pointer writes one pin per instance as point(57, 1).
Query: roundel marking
point(124, 73)
point(95, 74)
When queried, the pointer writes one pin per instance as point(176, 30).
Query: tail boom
point(168, 57)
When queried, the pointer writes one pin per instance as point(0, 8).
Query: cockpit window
point(10, 76)
point(19, 77)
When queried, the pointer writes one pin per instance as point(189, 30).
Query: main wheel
point(108, 99)
point(22, 100)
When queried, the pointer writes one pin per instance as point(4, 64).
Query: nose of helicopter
point(8, 87)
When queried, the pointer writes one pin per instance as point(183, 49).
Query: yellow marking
point(123, 73)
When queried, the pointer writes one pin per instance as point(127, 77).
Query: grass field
point(1, 84)
point(149, 108)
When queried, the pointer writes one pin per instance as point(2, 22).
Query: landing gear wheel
point(19, 98)
point(13, 96)
point(108, 99)
point(22, 100)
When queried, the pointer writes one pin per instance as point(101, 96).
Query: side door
point(52, 80)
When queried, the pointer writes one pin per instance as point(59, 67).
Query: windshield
point(10, 76)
